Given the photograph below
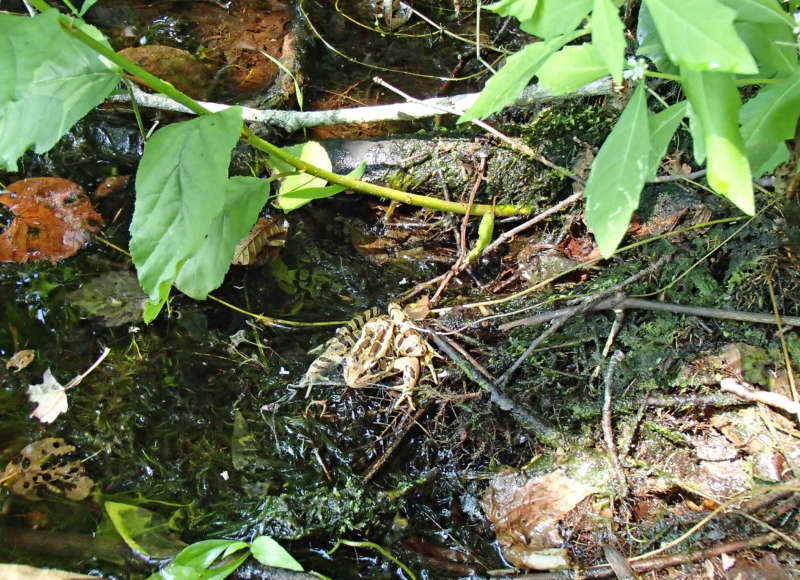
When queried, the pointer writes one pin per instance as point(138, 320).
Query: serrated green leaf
point(205, 269)
point(768, 119)
point(699, 35)
point(48, 81)
point(289, 197)
point(555, 17)
point(504, 87)
point(608, 37)
point(773, 46)
point(520, 9)
point(662, 127)
point(291, 200)
point(766, 11)
point(571, 68)
point(271, 553)
point(618, 175)
point(716, 101)
point(180, 187)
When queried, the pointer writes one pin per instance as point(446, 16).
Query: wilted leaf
point(114, 297)
point(144, 531)
point(262, 243)
point(525, 513)
point(53, 218)
point(42, 465)
point(50, 398)
point(20, 360)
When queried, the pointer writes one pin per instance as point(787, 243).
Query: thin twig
point(532, 423)
point(637, 303)
point(767, 397)
point(608, 429)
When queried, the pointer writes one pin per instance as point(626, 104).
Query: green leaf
point(608, 37)
point(289, 192)
point(716, 101)
point(773, 46)
point(143, 531)
point(196, 562)
point(769, 118)
point(555, 17)
point(662, 127)
point(698, 136)
point(571, 68)
point(520, 9)
point(87, 4)
point(699, 35)
point(772, 156)
point(48, 81)
point(618, 175)
point(180, 187)
point(766, 11)
point(650, 43)
point(205, 269)
point(291, 200)
point(504, 87)
point(271, 553)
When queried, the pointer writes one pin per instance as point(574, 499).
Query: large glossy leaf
point(662, 127)
point(716, 102)
point(504, 87)
point(769, 118)
point(144, 531)
point(571, 68)
point(766, 11)
point(699, 35)
point(618, 175)
point(520, 9)
point(180, 188)
point(554, 17)
point(205, 269)
point(204, 560)
point(608, 37)
point(48, 81)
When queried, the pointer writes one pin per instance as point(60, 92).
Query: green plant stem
point(167, 89)
point(379, 190)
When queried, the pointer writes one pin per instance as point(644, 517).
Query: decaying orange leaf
point(262, 243)
point(53, 218)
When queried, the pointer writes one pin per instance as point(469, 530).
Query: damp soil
point(199, 417)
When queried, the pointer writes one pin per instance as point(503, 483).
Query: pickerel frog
point(389, 352)
point(392, 13)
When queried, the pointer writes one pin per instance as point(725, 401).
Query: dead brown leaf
point(53, 218)
point(43, 465)
point(263, 242)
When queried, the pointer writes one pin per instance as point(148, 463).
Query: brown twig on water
point(399, 436)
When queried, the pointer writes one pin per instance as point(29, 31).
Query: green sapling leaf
point(618, 175)
point(271, 553)
point(662, 127)
point(716, 102)
point(555, 17)
point(520, 9)
point(180, 190)
point(290, 191)
point(205, 270)
point(571, 68)
point(504, 87)
point(608, 37)
point(699, 35)
point(48, 81)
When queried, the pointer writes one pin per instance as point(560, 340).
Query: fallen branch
point(291, 121)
